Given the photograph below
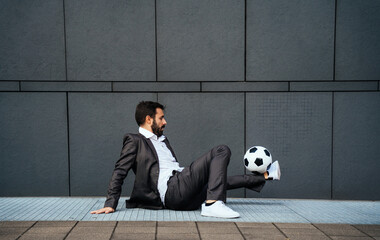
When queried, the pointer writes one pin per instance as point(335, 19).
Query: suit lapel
point(150, 144)
point(166, 141)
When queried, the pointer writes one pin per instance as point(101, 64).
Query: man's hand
point(104, 210)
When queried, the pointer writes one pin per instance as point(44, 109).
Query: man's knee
point(224, 149)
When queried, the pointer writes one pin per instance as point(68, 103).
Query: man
point(160, 181)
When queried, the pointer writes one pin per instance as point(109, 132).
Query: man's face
point(159, 123)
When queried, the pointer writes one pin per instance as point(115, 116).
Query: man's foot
point(274, 172)
point(218, 209)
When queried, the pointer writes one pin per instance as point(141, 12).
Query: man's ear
point(148, 120)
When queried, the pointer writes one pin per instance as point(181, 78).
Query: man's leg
point(253, 181)
point(195, 184)
point(205, 178)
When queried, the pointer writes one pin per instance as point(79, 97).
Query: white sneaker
point(274, 172)
point(218, 209)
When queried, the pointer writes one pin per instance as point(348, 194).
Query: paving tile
point(47, 236)
point(372, 230)
point(224, 236)
point(133, 236)
point(340, 230)
point(180, 230)
point(49, 230)
point(89, 235)
point(350, 238)
point(218, 230)
point(96, 224)
point(136, 224)
point(260, 231)
point(55, 224)
point(308, 237)
point(176, 236)
point(94, 230)
point(255, 225)
point(216, 224)
point(10, 236)
point(295, 225)
point(12, 230)
point(120, 229)
point(176, 224)
point(301, 231)
point(272, 237)
point(25, 224)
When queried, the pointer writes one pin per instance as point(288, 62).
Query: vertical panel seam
point(245, 40)
point(334, 55)
point(64, 37)
point(68, 141)
point(155, 36)
point(332, 145)
point(245, 134)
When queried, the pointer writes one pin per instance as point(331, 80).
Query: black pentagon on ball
point(246, 162)
point(252, 150)
point(267, 153)
point(259, 161)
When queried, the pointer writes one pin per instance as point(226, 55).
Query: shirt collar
point(149, 134)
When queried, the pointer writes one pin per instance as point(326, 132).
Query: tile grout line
point(278, 228)
point(361, 231)
point(240, 231)
point(320, 230)
point(26, 230)
point(156, 230)
point(113, 231)
point(71, 230)
point(199, 233)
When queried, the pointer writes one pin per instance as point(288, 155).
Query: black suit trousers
point(206, 178)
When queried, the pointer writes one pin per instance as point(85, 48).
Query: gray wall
point(299, 77)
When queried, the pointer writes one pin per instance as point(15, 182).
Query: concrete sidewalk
point(70, 218)
point(183, 230)
point(251, 210)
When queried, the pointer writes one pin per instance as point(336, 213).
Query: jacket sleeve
point(122, 166)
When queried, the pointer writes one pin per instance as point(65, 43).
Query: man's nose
point(164, 122)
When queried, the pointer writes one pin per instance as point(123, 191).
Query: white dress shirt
point(166, 161)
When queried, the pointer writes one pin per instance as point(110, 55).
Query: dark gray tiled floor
point(182, 230)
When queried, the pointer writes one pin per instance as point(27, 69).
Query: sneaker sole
point(205, 215)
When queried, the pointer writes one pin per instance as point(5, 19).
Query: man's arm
point(122, 166)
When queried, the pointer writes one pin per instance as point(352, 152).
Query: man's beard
point(157, 130)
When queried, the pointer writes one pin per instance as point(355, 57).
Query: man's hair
point(146, 108)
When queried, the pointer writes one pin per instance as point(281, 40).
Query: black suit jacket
point(138, 154)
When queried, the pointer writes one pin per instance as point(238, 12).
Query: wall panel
point(356, 146)
point(200, 40)
point(32, 40)
point(33, 139)
point(290, 40)
point(98, 122)
point(110, 40)
point(296, 128)
point(358, 40)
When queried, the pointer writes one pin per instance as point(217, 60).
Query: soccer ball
point(257, 159)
